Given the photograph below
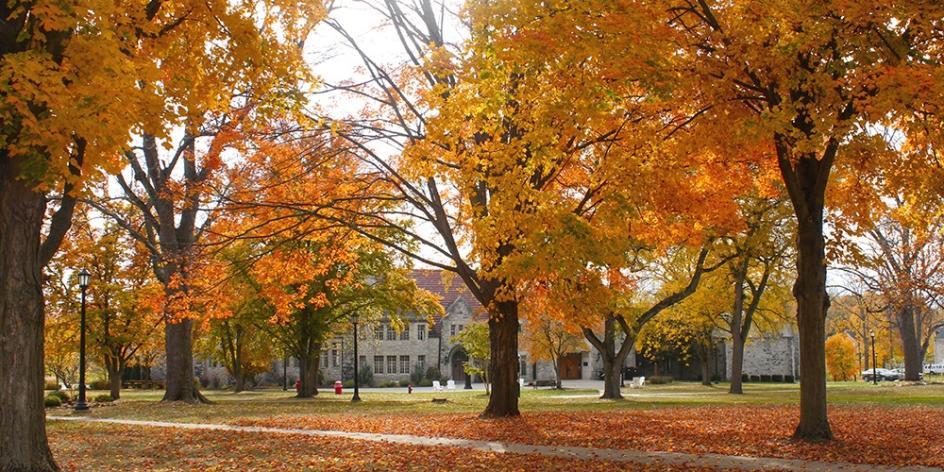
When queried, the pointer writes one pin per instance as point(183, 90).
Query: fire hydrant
point(409, 388)
point(298, 385)
point(338, 386)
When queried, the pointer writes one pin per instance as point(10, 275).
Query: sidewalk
point(655, 458)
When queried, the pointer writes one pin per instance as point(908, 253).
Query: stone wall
point(939, 346)
point(768, 354)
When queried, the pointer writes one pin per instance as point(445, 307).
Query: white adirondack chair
point(437, 386)
point(638, 382)
point(450, 385)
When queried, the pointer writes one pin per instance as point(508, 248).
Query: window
point(334, 357)
point(421, 363)
point(379, 332)
point(378, 364)
point(404, 364)
point(522, 366)
point(324, 359)
point(420, 331)
point(405, 334)
point(391, 333)
point(455, 329)
point(391, 364)
point(361, 362)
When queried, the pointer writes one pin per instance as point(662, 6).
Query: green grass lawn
point(136, 404)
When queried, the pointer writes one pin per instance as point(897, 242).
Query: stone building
point(767, 354)
point(939, 346)
point(417, 343)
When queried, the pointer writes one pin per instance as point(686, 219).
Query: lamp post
point(874, 367)
point(80, 405)
point(357, 393)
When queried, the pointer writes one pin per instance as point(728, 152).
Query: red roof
point(449, 288)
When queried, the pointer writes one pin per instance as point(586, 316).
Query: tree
point(124, 299)
point(247, 71)
point(475, 339)
point(840, 357)
point(761, 253)
point(797, 95)
point(69, 79)
point(897, 252)
point(549, 340)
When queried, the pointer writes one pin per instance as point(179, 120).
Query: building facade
point(396, 349)
point(939, 346)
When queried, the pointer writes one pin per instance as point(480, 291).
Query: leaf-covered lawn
point(100, 447)
point(891, 436)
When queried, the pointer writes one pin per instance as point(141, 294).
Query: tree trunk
point(503, 365)
point(706, 363)
point(558, 383)
point(910, 346)
point(612, 361)
point(812, 302)
point(308, 370)
point(23, 443)
point(737, 361)
point(114, 380)
point(240, 381)
point(180, 382)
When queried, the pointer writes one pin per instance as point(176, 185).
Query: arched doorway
point(457, 360)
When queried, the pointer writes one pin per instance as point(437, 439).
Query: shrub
point(348, 383)
point(755, 378)
point(776, 378)
point(366, 376)
point(51, 385)
point(389, 383)
point(62, 395)
point(52, 401)
point(788, 378)
point(433, 373)
point(659, 379)
point(425, 383)
point(416, 376)
point(745, 378)
point(104, 398)
point(765, 378)
point(100, 385)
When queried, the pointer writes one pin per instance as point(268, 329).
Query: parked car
point(901, 374)
point(882, 374)
point(937, 369)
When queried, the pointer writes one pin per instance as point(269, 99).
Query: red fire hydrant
point(338, 387)
point(409, 388)
point(298, 385)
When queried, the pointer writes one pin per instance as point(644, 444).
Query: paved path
point(586, 453)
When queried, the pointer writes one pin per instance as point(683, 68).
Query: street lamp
point(874, 367)
point(80, 405)
point(357, 393)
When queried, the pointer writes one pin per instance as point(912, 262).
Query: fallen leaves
point(95, 447)
point(890, 436)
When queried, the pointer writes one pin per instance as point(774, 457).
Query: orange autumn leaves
point(748, 430)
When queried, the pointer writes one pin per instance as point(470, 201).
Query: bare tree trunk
point(705, 370)
point(308, 370)
point(503, 365)
point(910, 346)
point(180, 382)
point(558, 383)
point(737, 362)
point(23, 443)
point(612, 360)
point(812, 301)
point(114, 380)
